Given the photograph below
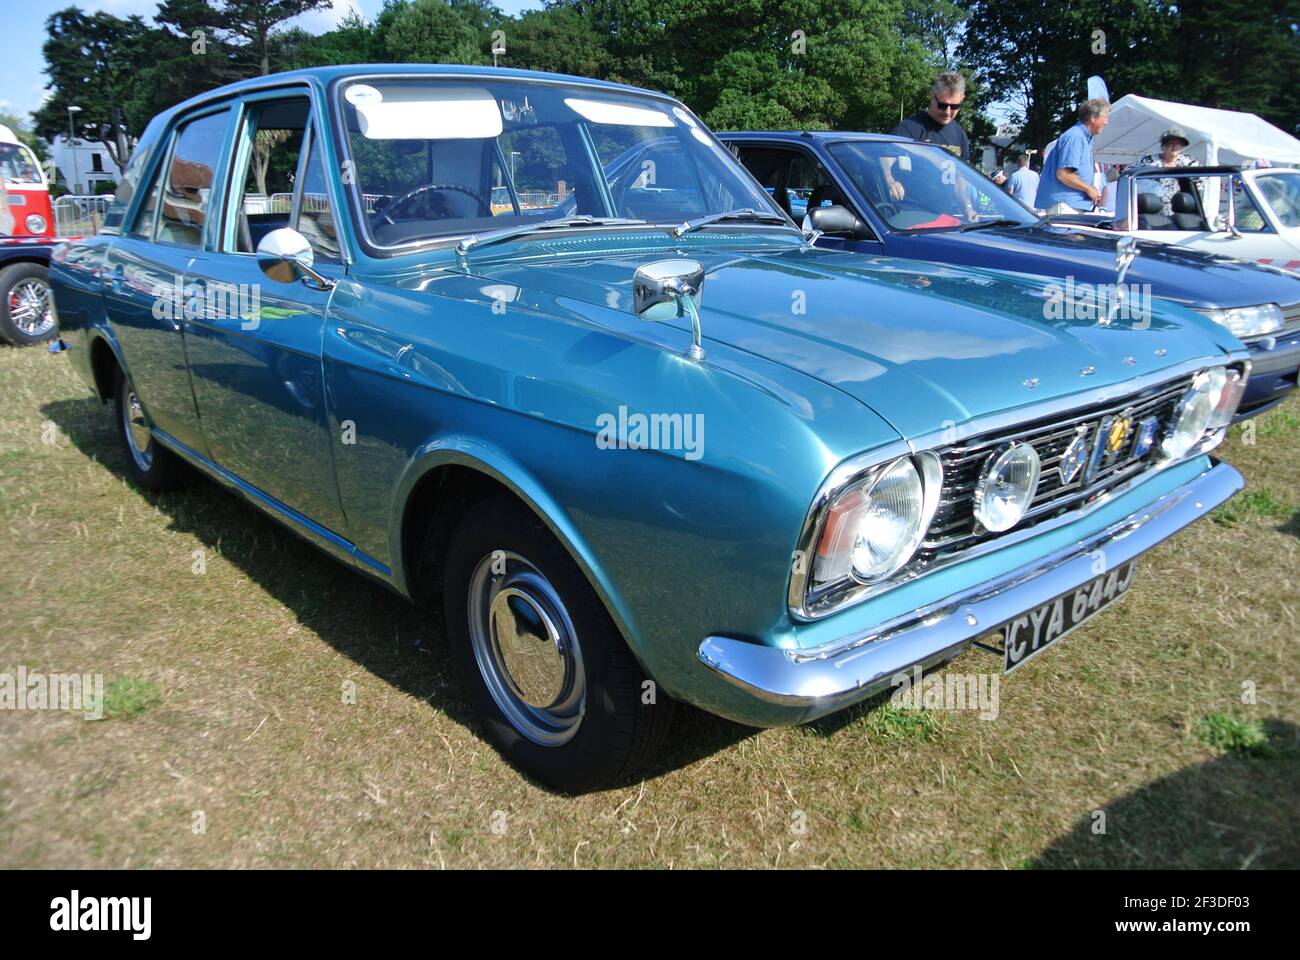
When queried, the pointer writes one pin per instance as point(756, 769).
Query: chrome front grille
point(954, 526)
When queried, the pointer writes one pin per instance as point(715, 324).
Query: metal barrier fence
point(80, 216)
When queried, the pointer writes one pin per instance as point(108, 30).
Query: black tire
point(615, 733)
point(21, 279)
point(154, 467)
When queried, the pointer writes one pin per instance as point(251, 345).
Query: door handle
point(115, 278)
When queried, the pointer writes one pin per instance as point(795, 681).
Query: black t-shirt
point(922, 126)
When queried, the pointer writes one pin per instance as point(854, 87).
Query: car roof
point(822, 136)
point(327, 75)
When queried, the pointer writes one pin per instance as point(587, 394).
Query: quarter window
point(188, 186)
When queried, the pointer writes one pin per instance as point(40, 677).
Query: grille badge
point(1074, 457)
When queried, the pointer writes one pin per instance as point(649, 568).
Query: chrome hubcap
point(140, 440)
point(29, 306)
point(526, 648)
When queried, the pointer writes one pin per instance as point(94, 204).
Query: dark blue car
point(917, 200)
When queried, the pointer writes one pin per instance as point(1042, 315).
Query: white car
point(1247, 214)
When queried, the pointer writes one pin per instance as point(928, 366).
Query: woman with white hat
point(1172, 144)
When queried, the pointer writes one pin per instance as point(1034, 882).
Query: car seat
point(1151, 214)
point(1187, 214)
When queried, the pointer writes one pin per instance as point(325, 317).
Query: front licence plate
point(1034, 631)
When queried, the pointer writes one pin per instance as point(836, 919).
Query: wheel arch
point(105, 361)
point(452, 474)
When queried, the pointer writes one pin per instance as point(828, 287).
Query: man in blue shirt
point(1066, 185)
point(1023, 184)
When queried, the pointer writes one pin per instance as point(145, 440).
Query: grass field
point(225, 739)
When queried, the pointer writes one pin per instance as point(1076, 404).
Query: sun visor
point(425, 113)
point(621, 114)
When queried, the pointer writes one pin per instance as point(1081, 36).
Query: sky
point(22, 77)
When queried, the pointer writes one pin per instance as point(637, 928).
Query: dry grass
point(229, 691)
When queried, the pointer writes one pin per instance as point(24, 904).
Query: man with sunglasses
point(936, 124)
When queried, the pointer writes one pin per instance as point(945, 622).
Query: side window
point(1249, 219)
point(315, 214)
point(188, 186)
point(270, 148)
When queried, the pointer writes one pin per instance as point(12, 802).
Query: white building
point(83, 164)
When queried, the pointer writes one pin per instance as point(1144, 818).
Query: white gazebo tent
point(1216, 136)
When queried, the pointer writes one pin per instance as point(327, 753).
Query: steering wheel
point(388, 211)
point(888, 209)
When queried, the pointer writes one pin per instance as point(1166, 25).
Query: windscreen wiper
point(747, 213)
point(523, 229)
point(1000, 222)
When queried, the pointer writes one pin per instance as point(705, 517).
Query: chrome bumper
point(813, 682)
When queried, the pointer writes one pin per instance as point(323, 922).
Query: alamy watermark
point(947, 691)
point(1100, 302)
point(214, 300)
point(653, 431)
point(29, 690)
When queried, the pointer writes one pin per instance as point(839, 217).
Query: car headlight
point(36, 223)
point(1248, 321)
point(872, 528)
point(1208, 404)
point(1007, 486)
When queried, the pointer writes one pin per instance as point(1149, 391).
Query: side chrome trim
point(826, 678)
point(296, 521)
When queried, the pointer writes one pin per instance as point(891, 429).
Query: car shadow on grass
point(1238, 810)
point(379, 631)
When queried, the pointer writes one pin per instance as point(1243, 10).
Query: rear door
point(144, 294)
point(255, 350)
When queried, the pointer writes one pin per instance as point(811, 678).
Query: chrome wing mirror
point(667, 289)
point(285, 256)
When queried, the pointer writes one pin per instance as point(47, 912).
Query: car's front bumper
point(793, 685)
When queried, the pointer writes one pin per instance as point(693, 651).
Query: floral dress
point(1170, 185)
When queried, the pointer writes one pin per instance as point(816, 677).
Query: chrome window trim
point(803, 609)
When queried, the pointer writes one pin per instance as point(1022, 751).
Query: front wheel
point(26, 311)
point(151, 465)
point(547, 669)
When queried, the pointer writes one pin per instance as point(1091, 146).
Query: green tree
point(556, 40)
point(92, 61)
point(429, 31)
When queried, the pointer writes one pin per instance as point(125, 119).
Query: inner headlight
point(1007, 486)
point(873, 527)
point(1200, 408)
point(36, 223)
point(1249, 321)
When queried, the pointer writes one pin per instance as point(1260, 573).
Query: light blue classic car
point(632, 436)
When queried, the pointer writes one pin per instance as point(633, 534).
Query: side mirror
point(667, 289)
point(835, 221)
point(1224, 225)
point(284, 255)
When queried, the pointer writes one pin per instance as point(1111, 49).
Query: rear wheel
point(151, 465)
point(26, 311)
point(547, 669)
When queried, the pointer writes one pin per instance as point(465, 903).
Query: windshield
point(930, 190)
point(17, 163)
point(434, 158)
point(1281, 191)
